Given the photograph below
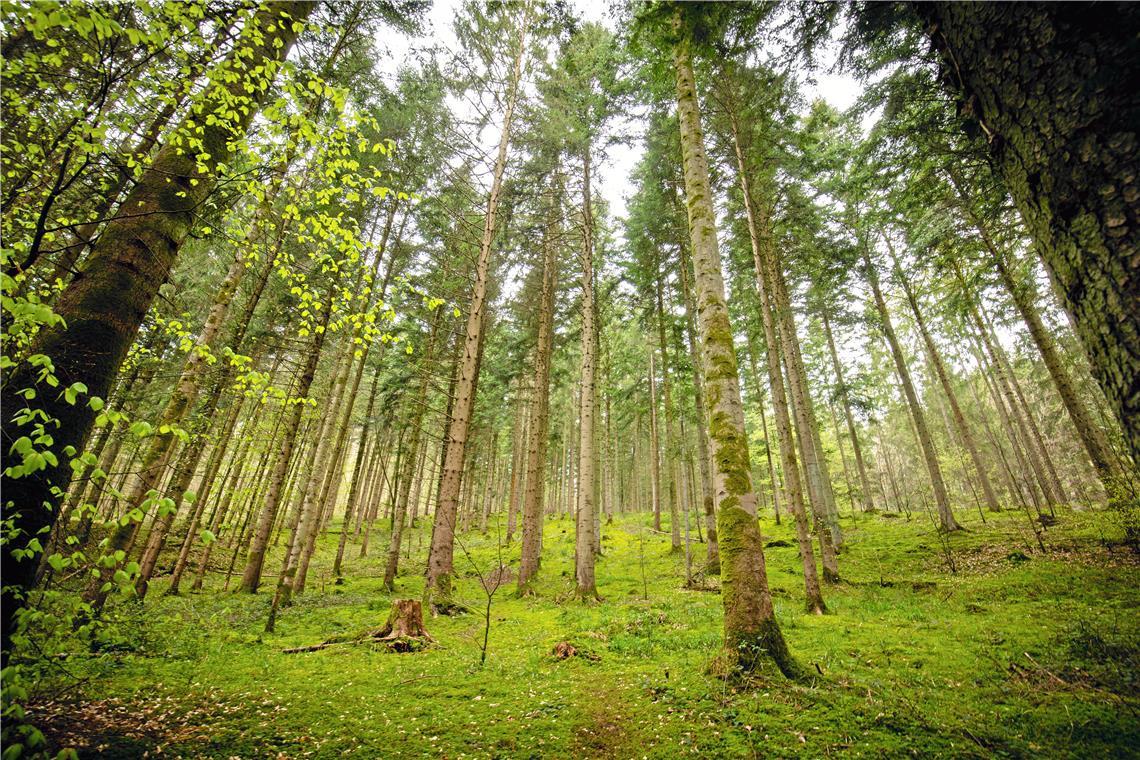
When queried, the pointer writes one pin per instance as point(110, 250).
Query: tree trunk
point(415, 425)
point(654, 445)
point(751, 633)
point(1067, 153)
point(1104, 459)
point(536, 467)
point(708, 502)
point(845, 397)
point(941, 498)
point(251, 576)
point(440, 557)
point(588, 406)
point(963, 428)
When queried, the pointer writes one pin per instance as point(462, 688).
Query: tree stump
point(404, 631)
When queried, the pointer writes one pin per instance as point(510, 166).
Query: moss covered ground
point(1016, 654)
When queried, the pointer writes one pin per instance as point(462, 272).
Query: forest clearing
point(527, 379)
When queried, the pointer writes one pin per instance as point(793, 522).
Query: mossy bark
point(106, 303)
point(751, 634)
point(1052, 88)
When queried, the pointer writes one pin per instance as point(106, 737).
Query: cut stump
point(403, 632)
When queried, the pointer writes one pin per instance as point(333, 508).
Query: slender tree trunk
point(751, 633)
point(251, 576)
point(963, 428)
point(588, 406)
point(764, 428)
point(1104, 459)
point(535, 474)
point(670, 448)
point(941, 498)
point(415, 425)
point(354, 488)
point(518, 463)
point(440, 557)
point(845, 397)
point(708, 502)
point(654, 445)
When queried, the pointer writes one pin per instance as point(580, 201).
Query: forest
point(724, 379)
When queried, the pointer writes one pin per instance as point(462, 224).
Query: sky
point(615, 172)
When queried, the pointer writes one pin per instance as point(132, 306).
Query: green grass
point(1017, 655)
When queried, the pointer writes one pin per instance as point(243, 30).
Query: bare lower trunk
point(941, 498)
point(536, 466)
point(584, 545)
point(751, 633)
point(440, 557)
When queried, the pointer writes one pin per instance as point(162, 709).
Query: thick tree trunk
point(1067, 151)
point(104, 307)
point(751, 633)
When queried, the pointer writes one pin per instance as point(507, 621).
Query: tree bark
point(1068, 154)
point(751, 634)
point(251, 575)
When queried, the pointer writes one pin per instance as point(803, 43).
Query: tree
point(102, 310)
point(1067, 156)
point(751, 632)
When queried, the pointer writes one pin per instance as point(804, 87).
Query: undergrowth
point(1016, 654)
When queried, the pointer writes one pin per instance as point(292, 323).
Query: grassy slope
point(1010, 657)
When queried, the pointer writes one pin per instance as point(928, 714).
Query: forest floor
point(1016, 654)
